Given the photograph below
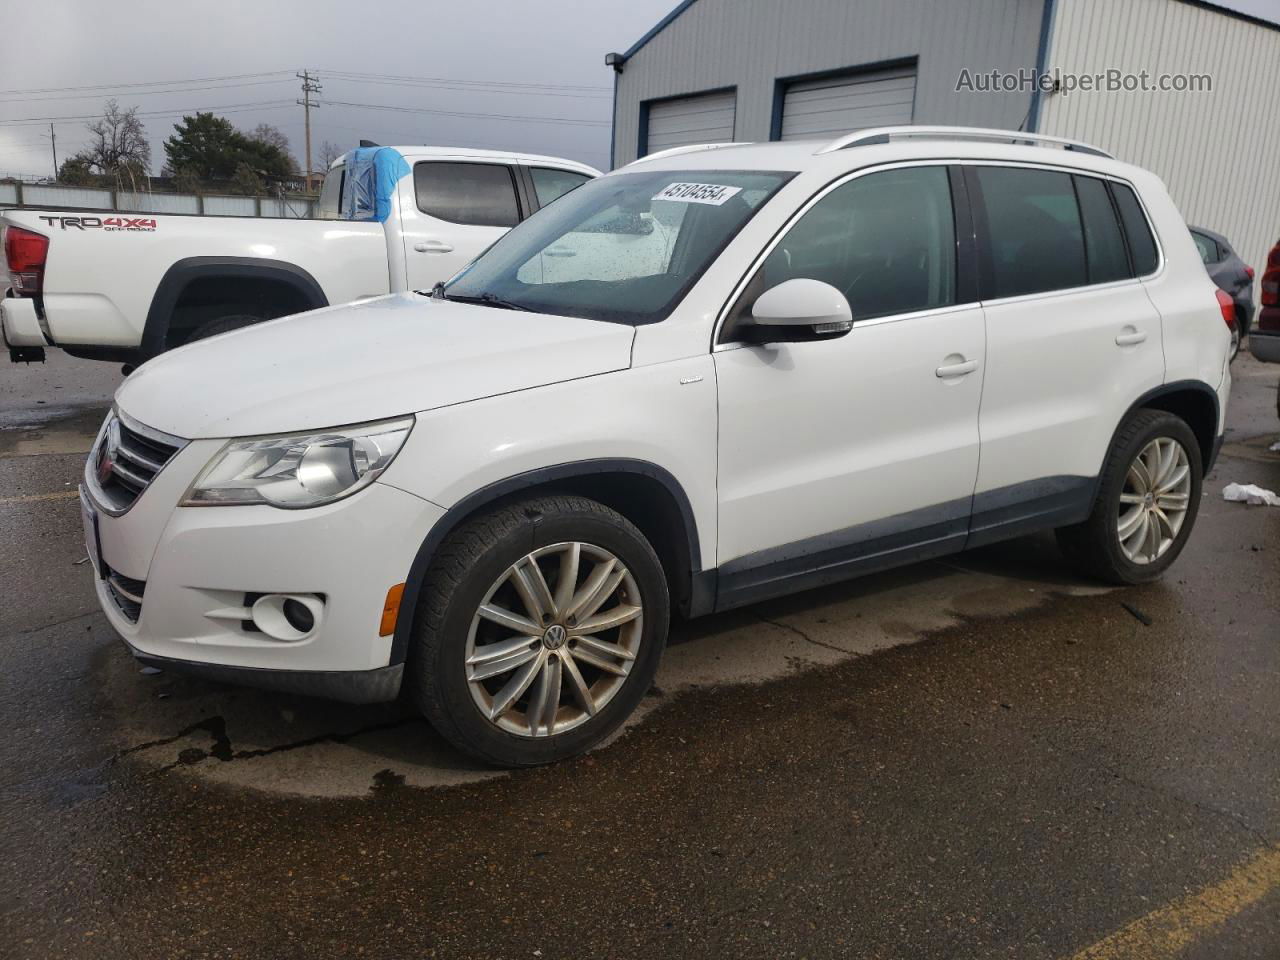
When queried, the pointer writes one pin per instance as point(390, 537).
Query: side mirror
point(798, 310)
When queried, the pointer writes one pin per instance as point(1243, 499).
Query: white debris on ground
point(1250, 493)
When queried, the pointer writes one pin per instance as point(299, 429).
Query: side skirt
point(910, 537)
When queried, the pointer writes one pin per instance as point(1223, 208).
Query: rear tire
point(1110, 545)
point(508, 601)
point(222, 325)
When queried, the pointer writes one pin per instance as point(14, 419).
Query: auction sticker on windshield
point(710, 193)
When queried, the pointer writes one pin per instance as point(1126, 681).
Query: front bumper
point(349, 686)
point(197, 569)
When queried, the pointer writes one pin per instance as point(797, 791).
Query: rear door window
point(1142, 245)
point(479, 194)
point(1106, 257)
point(1034, 239)
point(329, 206)
point(550, 184)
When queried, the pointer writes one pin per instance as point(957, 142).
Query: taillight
point(25, 252)
point(1228, 308)
point(1271, 288)
point(1248, 272)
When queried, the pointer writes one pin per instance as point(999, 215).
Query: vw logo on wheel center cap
point(555, 637)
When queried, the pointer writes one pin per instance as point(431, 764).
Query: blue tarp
point(372, 175)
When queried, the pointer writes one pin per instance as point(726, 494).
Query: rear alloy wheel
point(1154, 501)
point(1146, 504)
point(539, 629)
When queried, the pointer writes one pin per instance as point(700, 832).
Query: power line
point(228, 108)
point(573, 121)
point(524, 84)
point(340, 78)
point(149, 83)
point(144, 93)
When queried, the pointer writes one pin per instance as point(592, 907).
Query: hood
point(382, 358)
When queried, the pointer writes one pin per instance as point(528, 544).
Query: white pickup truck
point(125, 287)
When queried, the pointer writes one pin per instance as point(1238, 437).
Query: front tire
point(1146, 504)
point(540, 628)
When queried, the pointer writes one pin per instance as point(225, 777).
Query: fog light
point(287, 616)
point(298, 616)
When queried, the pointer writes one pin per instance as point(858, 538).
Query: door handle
point(433, 246)
point(561, 252)
point(1129, 336)
point(956, 369)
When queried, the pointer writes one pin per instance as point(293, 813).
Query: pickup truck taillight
point(1271, 288)
point(25, 252)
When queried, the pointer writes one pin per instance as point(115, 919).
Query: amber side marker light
point(391, 611)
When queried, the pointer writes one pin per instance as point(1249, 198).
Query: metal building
point(751, 70)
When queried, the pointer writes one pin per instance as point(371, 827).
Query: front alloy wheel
point(554, 639)
point(538, 630)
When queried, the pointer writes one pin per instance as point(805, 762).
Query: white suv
point(711, 377)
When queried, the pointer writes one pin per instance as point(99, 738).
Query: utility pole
point(53, 137)
point(310, 85)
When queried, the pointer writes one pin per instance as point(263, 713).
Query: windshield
point(624, 248)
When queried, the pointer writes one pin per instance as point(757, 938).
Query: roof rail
point(687, 148)
point(878, 135)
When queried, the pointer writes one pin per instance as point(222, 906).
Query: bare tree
point(272, 135)
point(119, 148)
point(329, 152)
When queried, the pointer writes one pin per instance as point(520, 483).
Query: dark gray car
point(1231, 274)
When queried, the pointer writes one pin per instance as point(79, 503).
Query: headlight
point(299, 470)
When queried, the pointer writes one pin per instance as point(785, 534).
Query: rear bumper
point(1265, 345)
point(20, 323)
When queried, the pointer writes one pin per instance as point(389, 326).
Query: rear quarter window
point(1142, 245)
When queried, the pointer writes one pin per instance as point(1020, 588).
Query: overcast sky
point(536, 64)
point(546, 55)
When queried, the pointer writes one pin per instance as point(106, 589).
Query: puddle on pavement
point(1258, 449)
point(179, 726)
point(49, 428)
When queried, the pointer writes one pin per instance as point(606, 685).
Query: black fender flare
point(542, 476)
point(1155, 393)
point(183, 272)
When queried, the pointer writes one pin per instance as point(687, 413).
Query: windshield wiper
point(489, 300)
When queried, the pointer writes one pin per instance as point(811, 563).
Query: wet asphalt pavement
point(983, 757)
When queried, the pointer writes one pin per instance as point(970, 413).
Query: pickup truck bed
point(125, 287)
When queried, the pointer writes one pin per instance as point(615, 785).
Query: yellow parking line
point(35, 497)
point(1168, 931)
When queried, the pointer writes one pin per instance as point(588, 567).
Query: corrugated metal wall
point(1218, 152)
point(751, 43)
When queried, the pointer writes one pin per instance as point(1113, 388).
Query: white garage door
point(707, 118)
point(814, 109)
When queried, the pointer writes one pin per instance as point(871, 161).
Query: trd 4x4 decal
point(132, 224)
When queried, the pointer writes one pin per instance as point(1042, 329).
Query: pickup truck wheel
point(540, 628)
point(222, 325)
point(1146, 504)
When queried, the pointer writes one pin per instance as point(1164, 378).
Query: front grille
point(125, 460)
point(126, 592)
